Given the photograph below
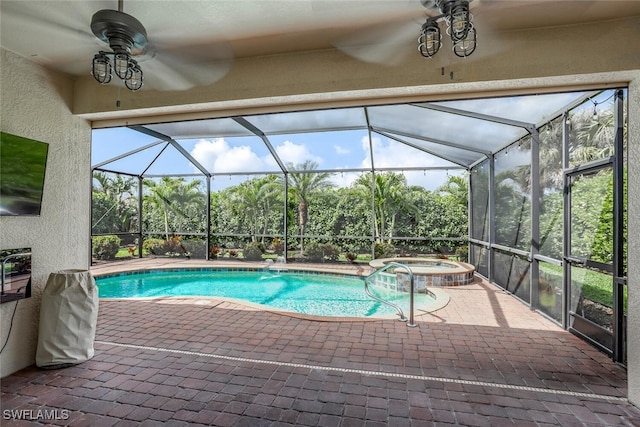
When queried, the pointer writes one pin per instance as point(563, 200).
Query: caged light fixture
point(124, 34)
point(459, 27)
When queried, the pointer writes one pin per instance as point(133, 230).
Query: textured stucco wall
point(633, 230)
point(35, 104)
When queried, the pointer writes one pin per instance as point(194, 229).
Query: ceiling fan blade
point(59, 28)
point(61, 21)
point(182, 69)
point(386, 44)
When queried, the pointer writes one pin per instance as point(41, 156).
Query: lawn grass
point(595, 285)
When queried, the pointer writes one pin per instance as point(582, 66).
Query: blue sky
point(330, 150)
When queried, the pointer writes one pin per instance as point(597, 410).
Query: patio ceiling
point(454, 134)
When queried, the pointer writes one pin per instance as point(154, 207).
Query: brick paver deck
point(483, 360)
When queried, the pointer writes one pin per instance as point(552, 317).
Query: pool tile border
point(226, 269)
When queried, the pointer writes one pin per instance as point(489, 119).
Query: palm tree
point(254, 199)
point(270, 193)
point(119, 194)
point(172, 195)
point(304, 183)
point(390, 198)
point(592, 136)
point(457, 189)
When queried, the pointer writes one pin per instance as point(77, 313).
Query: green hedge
point(321, 251)
point(153, 246)
point(384, 250)
point(105, 247)
point(195, 248)
point(252, 252)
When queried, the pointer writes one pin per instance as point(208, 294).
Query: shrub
point(278, 246)
point(462, 253)
point(174, 246)
point(213, 252)
point(153, 246)
point(171, 247)
point(195, 248)
point(105, 247)
point(384, 250)
point(252, 251)
point(318, 252)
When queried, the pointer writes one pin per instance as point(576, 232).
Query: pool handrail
point(403, 318)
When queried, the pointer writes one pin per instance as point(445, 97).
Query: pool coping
point(441, 298)
point(458, 267)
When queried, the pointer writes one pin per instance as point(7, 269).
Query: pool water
point(315, 294)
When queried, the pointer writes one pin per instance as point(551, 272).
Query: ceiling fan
point(127, 37)
point(386, 44)
point(170, 68)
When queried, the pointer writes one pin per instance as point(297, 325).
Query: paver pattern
point(483, 360)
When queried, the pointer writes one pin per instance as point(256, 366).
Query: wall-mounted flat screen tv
point(23, 163)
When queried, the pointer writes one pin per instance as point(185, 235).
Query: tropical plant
point(195, 248)
point(456, 188)
point(105, 247)
point(252, 252)
point(591, 135)
point(277, 246)
point(152, 246)
point(304, 183)
point(114, 204)
point(384, 250)
point(214, 251)
point(391, 197)
point(179, 198)
point(322, 251)
point(254, 199)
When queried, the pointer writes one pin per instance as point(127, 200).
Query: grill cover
point(68, 318)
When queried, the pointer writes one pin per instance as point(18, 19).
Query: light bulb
point(121, 65)
point(466, 46)
point(430, 38)
point(101, 68)
point(459, 20)
point(135, 81)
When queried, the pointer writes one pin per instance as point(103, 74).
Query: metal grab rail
point(403, 318)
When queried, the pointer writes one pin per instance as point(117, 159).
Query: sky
point(332, 150)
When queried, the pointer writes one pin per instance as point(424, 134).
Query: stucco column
point(633, 232)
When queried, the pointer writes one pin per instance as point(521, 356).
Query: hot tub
point(427, 272)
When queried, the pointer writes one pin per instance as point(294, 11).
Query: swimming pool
point(301, 292)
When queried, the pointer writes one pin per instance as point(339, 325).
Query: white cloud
point(341, 150)
point(290, 152)
point(389, 155)
point(219, 157)
point(344, 179)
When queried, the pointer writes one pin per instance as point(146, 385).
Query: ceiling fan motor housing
point(441, 5)
point(121, 31)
